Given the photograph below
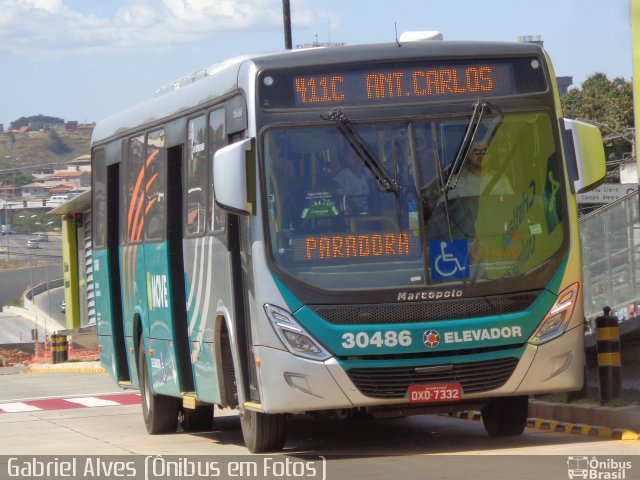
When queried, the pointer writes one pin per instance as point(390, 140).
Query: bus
point(312, 232)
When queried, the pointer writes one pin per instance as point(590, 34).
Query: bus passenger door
point(170, 369)
point(113, 245)
point(106, 275)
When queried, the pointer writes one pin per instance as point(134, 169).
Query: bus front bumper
point(291, 384)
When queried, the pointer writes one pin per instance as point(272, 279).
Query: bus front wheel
point(160, 412)
point(262, 432)
point(505, 416)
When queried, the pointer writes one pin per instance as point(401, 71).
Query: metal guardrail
point(610, 240)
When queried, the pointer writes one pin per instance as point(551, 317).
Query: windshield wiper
point(372, 162)
point(463, 150)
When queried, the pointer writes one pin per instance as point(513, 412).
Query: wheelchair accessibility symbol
point(449, 259)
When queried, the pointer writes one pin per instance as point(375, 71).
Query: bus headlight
point(297, 340)
point(555, 322)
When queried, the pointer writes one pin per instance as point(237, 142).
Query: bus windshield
point(463, 208)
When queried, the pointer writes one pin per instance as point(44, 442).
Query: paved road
point(54, 385)
point(120, 430)
point(14, 282)
point(15, 247)
point(49, 303)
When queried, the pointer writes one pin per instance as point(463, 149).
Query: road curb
point(69, 367)
point(564, 427)
point(582, 429)
point(587, 415)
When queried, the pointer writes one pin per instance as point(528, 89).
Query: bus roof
point(392, 51)
point(222, 79)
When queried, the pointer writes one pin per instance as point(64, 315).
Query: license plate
point(435, 392)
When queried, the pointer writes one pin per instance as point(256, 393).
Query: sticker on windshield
point(321, 206)
point(449, 259)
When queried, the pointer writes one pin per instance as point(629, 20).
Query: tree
point(609, 104)
point(19, 178)
point(25, 121)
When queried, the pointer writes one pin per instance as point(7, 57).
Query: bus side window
point(154, 186)
point(197, 174)
point(99, 201)
point(217, 140)
point(133, 221)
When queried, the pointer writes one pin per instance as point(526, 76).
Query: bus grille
point(393, 382)
point(367, 314)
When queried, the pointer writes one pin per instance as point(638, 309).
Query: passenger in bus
point(353, 183)
point(154, 216)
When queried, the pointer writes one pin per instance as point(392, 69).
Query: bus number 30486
point(390, 338)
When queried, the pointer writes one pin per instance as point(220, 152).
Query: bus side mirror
point(234, 177)
point(584, 152)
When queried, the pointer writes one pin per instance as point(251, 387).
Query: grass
point(31, 148)
point(15, 264)
point(15, 303)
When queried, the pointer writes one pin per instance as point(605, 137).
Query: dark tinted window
point(197, 177)
point(135, 200)
point(154, 185)
point(217, 140)
point(99, 201)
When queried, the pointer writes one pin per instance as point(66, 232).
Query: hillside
point(31, 148)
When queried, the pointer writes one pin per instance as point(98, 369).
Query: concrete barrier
point(585, 414)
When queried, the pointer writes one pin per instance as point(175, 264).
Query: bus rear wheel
point(505, 416)
point(160, 412)
point(263, 432)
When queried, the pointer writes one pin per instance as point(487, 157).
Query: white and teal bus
point(312, 232)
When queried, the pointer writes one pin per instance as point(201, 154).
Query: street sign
point(607, 193)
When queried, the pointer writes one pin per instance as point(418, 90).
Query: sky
point(85, 60)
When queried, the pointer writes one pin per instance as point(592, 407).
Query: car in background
point(42, 237)
point(33, 243)
point(63, 306)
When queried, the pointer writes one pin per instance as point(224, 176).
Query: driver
point(353, 181)
point(476, 176)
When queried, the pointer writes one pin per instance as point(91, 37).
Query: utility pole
point(635, 52)
point(286, 16)
point(7, 227)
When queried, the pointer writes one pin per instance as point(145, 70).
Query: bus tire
point(160, 412)
point(199, 419)
point(505, 416)
point(263, 432)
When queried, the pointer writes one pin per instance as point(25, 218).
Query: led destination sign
point(402, 84)
point(337, 248)
point(363, 245)
point(411, 84)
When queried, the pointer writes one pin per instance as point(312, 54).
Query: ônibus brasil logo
point(431, 338)
point(595, 468)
